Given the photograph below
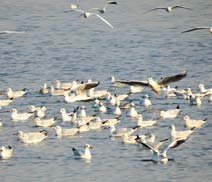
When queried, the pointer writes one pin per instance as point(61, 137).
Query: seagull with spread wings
point(87, 14)
point(155, 85)
point(168, 9)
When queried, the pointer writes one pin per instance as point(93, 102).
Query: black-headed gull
point(44, 122)
point(193, 123)
point(15, 94)
point(170, 113)
point(180, 134)
point(60, 132)
point(20, 116)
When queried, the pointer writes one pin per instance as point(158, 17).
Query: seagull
point(20, 116)
point(155, 85)
point(198, 28)
point(180, 134)
point(86, 154)
point(193, 123)
point(102, 11)
point(203, 90)
point(44, 89)
point(32, 137)
point(133, 113)
point(40, 112)
point(171, 113)
point(62, 85)
point(143, 124)
point(65, 132)
point(87, 14)
point(5, 102)
point(6, 152)
point(15, 94)
point(45, 122)
point(145, 101)
point(73, 6)
point(66, 117)
point(168, 9)
point(158, 156)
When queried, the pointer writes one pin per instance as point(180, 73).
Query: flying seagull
point(155, 85)
point(87, 14)
point(198, 28)
point(168, 9)
point(102, 11)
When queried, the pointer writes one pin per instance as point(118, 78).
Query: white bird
point(32, 137)
point(20, 116)
point(86, 154)
point(102, 10)
point(63, 85)
point(180, 134)
point(198, 28)
point(117, 111)
point(96, 124)
point(66, 117)
point(60, 132)
point(44, 89)
point(193, 123)
point(11, 32)
point(6, 152)
point(121, 131)
point(203, 90)
point(82, 112)
point(15, 94)
point(132, 112)
point(147, 123)
point(158, 156)
point(130, 139)
point(1, 124)
point(40, 112)
point(170, 113)
point(6, 102)
point(87, 14)
point(73, 6)
point(110, 122)
point(145, 101)
point(45, 122)
point(82, 126)
point(169, 8)
point(102, 108)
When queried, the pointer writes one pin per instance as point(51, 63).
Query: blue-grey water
point(59, 45)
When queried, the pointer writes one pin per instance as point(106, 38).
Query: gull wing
point(154, 9)
point(167, 80)
point(104, 20)
point(86, 86)
point(147, 146)
point(133, 82)
point(179, 6)
point(196, 28)
point(77, 153)
point(174, 144)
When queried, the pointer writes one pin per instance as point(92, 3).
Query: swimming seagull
point(168, 9)
point(193, 123)
point(86, 154)
point(87, 14)
point(102, 11)
point(158, 156)
point(198, 28)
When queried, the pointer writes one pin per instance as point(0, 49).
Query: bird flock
point(108, 103)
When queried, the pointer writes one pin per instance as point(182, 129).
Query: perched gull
point(171, 113)
point(145, 101)
point(169, 8)
point(87, 14)
point(158, 156)
point(32, 137)
point(193, 123)
point(102, 11)
point(6, 102)
point(20, 116)
point(45, 122)
point(132, 112)
point(65, 132)
point(143, 124)
point(86, 154)
point(198, 28)
point(180, 134)
point(6, 152)
point(15, 94)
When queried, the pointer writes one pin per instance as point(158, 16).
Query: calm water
point(62, 46)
